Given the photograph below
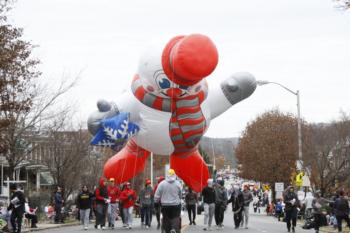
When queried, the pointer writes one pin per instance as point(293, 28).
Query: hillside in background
point(220, 146)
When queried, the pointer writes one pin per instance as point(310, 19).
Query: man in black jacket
point(17, 206)
point(237, 201)
point(58, 205)
point(292, 202)
point(341, 210)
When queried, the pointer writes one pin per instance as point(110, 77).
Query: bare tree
point(93, 165)
point(16, 143)
point(329, 156)
point(67, 153)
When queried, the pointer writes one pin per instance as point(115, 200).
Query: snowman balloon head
point(185, 62)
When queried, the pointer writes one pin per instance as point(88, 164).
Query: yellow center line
point(184, 227)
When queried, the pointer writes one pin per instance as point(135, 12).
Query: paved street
point(258, 223)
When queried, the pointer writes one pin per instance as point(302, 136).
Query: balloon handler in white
point(167, 110)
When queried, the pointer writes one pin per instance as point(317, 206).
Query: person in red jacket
point(113, 194)
point(157, 205)
point(102, 200)
point(128, 198)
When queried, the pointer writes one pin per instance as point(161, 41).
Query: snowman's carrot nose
point(174, 92)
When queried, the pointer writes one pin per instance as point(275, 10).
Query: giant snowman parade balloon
point(167, 110)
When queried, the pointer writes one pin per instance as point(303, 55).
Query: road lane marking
point(184, 227)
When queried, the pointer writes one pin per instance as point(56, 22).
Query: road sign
point(306, 181)
point(279, 187)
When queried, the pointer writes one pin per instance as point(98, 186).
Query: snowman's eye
point(164, 83)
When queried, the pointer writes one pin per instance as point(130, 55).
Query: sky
point(303, 45)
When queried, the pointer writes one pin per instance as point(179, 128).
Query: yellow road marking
point(184, 227)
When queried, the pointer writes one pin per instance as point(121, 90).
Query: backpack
point(147, 196)
point(278, 207)
point(237, 202)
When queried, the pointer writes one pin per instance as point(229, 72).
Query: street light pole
point(212, 147)
point(297, 94)
point(152, 169)
point(299, 129)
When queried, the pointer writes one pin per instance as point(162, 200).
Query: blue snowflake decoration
point(115, 132)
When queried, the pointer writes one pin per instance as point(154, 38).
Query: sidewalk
point(325, 229)
point(330, 229)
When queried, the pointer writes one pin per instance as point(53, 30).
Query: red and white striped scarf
point(187, 124)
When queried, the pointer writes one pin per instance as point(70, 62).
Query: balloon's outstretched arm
point(124, 103)
point(231, 91)
point(105, 110)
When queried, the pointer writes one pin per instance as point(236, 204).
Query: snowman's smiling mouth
point(165, 94)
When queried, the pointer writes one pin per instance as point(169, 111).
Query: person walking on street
point(220, 203)
point(209, 198)
point(248, 197)
point(237, 201)
point(317, 203)
point(101, 197)
point(17, 202)
point(128, 198)
point(121, 213)
point(341, 210)
point(146, 197)
point(112, 210)
point(279, 209)
point(156, 204)
point(58, 199)
point(291, 203)
point(308, 205)
point(265, 199)
point(256, 203)
point(191, 200)
point(84, 202)
point(169, 194)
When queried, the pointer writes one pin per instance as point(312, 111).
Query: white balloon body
point(154, 133)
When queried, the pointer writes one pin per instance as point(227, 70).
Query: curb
point(51, 227)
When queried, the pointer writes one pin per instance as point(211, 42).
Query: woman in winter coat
point(128, 198)
point(101, 199)
point(146, 198)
